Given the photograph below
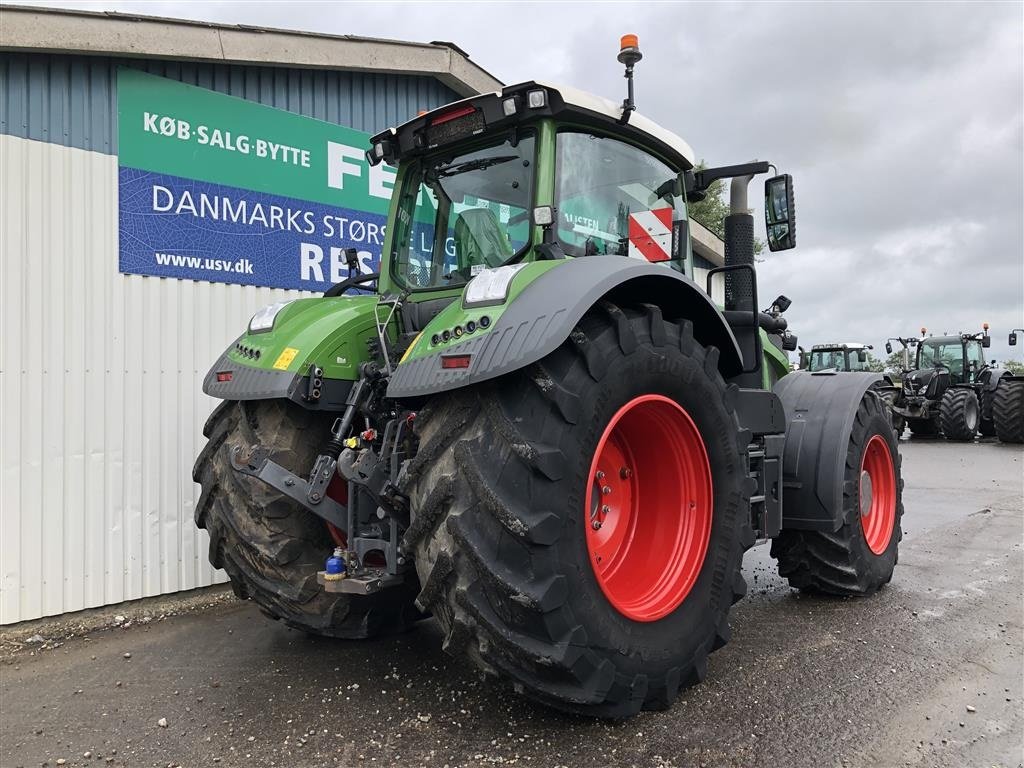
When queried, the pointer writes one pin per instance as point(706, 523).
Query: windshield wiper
point(472, 165)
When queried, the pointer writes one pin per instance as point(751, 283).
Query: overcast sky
point(903, 125)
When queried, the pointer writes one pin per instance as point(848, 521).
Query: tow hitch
point(257, 463)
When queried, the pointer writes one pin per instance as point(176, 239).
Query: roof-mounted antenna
point(629, 54)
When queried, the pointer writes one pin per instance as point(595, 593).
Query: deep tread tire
point(959, 414)
point(498, 487)
point(841, 563)
point(270, 547)
point(1008, 410)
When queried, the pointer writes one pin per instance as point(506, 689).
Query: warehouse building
point(249, 143)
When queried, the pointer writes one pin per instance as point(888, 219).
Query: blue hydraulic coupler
point(334, 568)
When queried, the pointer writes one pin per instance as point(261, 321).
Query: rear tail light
point(453, 114)
point(223, 376)
point(455, 361)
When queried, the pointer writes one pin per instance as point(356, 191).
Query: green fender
point(546, 301)
point(327, 333)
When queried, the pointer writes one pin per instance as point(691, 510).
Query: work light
point(536, 99)
point(264, 319)
point(490, 286)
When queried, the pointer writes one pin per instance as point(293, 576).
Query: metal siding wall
point(100, 398)
point(101, 409)
point(72, 100)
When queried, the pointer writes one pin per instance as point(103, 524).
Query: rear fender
point(540, 316)
point(820, 410)
point(991, 377)
point(328, 334)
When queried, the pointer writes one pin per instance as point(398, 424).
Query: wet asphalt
point(927, 672)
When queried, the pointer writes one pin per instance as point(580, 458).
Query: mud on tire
point(842, 563)
point(499, 485)
point(271, 547)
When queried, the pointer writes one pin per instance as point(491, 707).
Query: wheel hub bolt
point(596, 525)
point(607, 489)
point(605, 509)
point(625, 473)
point(600, 475)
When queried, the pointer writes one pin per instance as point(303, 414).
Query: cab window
point(613, 198)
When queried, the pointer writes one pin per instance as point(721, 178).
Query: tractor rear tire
point(860, 557)
point(1008, 410)
point(959, 414)
point(271, 547)
point(508, 503)
point(924, 427)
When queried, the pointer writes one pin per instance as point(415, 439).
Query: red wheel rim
point(877, 494)
point(648, 508)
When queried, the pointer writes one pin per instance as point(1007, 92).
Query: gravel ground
point(926, 673)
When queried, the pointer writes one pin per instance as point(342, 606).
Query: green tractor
point(538, 428)
point(952, 390)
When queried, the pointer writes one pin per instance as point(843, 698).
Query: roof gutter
point(32, 29)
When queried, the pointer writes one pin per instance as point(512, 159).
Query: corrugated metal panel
point(101, 406)
point(71, 100)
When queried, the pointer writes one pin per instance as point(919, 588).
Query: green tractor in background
point(954, 392)
point(538, 428)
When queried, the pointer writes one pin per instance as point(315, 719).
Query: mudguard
point(991, 377)
point(541, 317)
point(820, 409)
point(328, 334)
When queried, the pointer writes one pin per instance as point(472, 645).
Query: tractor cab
point(848, 356)
point(962, 356)
point(531, 173)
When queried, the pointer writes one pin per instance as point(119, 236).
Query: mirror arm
point(703, 179)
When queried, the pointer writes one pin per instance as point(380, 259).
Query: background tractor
point(538, 428)
point(951, 389)
point(848, 356)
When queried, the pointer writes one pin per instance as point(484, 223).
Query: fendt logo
point(345, 161)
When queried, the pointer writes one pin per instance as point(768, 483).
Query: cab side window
point(613, 198)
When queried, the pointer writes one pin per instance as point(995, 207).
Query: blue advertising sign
point(220, 189)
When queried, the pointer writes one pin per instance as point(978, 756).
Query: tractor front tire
point(271, 547)
point(1008, 410)
point(861, 555)
point(959, 414)
point(524, 539)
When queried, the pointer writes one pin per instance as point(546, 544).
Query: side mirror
point(888, 348)
point(1013, 339)
point(779, 213)
point(986, 341)
point(862, 355)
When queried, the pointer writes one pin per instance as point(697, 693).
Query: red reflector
point(455, 361)
point(454, 114)
point(224, 375)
